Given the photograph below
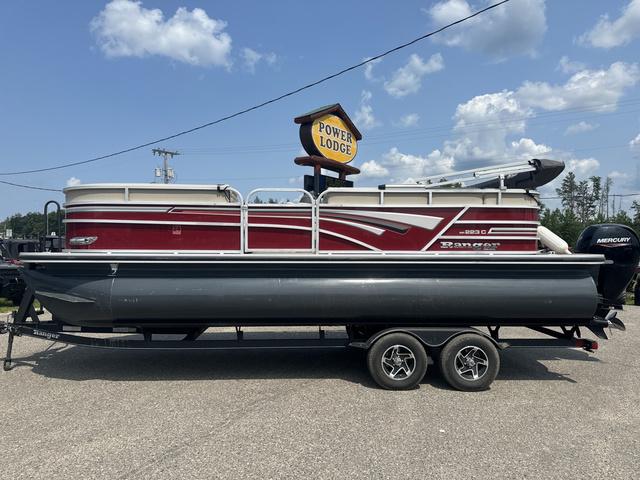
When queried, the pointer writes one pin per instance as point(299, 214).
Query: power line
point(268, 102)
point(557, 150)
point(462, 131)
point(439, 131)
point(491, 125)
point(396, 168)
point(289, 176)
point(610, 195)
point(602, 107)
point(30, 186)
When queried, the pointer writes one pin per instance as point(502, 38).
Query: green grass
point(6, 305)
point(629, 299)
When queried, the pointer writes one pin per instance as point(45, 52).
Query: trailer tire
point(469, 362)
point(397, 361)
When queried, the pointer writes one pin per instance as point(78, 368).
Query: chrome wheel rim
point(472, 363)
point(398, 362)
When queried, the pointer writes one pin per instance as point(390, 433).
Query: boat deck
point(386, 258)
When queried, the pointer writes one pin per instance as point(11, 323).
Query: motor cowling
point(620, 245)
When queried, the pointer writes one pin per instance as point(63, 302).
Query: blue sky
point(531, 78)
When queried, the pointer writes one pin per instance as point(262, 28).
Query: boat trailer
point(26, 322)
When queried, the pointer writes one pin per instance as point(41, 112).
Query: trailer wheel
point(397, 361)
point(469, 362)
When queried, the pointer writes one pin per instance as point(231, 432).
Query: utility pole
point(166, 172)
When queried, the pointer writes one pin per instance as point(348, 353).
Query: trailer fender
point(430, 337)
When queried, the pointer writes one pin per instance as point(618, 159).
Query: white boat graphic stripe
point(422, 221)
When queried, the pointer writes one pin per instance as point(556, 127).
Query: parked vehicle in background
point(11, 284)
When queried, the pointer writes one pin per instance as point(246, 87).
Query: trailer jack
point(7, 363)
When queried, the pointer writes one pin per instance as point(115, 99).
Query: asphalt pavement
point(72, 412)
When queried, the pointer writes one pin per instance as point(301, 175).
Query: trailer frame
point(25, 321)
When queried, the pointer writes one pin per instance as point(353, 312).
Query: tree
point(622, 217)
point(596, 192)
point(635, 208)
point(31, 225)
point(584, 203)
point(586, 198)
point(604, 197)
point(563, 223)
point(567, 192)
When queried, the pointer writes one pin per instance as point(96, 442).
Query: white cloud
point(373, 169)
point(296, 180)
point(408, 79)
point(408, 120)
point(616, 175)
point(251, 58)
point(526, 149)
point(368, 69)
point(364, 117)
point(512, 29)
point(635, 143)
point(582, 166)
point(600, 89)
point(124, 28)
point(580, 127)
point(482, 126)
point(609, 34)
point(483, 130)
point(408, 166)
point(73, 181)
point(567, 66)
point(490, 128)
point(502, 108)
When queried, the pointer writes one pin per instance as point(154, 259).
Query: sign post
point(331, 139)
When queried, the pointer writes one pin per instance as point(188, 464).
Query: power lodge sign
point(329, 132)
point(333, 139)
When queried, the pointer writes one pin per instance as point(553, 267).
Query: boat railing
point(86, 197)
point(305, 207)
point(300, 213)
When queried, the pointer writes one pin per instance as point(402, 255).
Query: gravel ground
point(70, 412)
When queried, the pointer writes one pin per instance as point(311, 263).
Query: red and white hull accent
point(301, 228)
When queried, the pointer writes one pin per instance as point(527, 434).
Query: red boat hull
point(287, 228)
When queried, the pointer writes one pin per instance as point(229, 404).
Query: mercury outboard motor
point(621, 246)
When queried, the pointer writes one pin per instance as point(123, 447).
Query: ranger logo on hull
point(470, 245)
